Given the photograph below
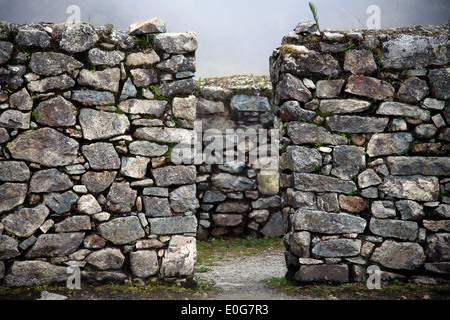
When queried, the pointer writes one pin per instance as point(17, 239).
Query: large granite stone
point(414, 51)
point(399, 255)
point(121, 197)
point(326, 222)
point(308, 133)
point(14, 171)
point(122, 230)
point(56, 112)
point(45, 146)
point(12, 195)
point(101, 156)
point(78, 37)
point(231, 182)
point(419, 188)
point(405, 230)
point(173, 225)
point(300, 159)
point(174, 175)
point(108, 79)
point(177, 43)
point(320, 183)
point(99, 125)
point(50, 180)
point(427, 166)
point(381, 144)
point(180, 257)
point(292, 88)
point(391, 108)
point(25, 221)
point(30, 273)
point(53, 63)
point(357, 124)
point(337, 248)
point(55, 245)
point(347, 161)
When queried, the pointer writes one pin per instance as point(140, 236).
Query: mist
point(235, 36)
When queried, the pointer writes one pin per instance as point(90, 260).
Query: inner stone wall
point(365, 152)
point(88, 118)
point(237, 198)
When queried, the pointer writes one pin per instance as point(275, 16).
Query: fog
point(235, 36)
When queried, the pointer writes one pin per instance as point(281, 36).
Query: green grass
point(224, 248)
point(359, 291)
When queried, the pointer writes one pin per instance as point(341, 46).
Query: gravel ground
point(240, 278)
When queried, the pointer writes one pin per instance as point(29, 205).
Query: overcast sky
point(235, 36)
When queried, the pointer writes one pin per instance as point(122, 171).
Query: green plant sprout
point(313, 9)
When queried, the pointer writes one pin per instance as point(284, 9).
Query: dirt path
point(240, 278)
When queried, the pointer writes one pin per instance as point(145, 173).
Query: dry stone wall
point(365, 152)
point(237, 197)
point(88, 117)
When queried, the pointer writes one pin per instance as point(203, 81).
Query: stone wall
point(237, 197)
point(88, 118)
point(365, 152)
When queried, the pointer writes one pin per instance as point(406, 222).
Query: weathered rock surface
point(101, 156)
point(78, 37)
point(301, 61)
point(427, 166)
point(53, 63)
point(56, 112)
point(403, 109)
point(320, 183)
point(177, 43)
point(357, 124)
point(180, 257)
point(12, 195)
point(50, 180)
point(405, 230)
point(174, 175)
point(55, 245)
point(347, 161)
point(184, 199)
point(231, 182)
point(121, 197)
point(99, 125)
point(122, 230)
point(157, 207)
point(92, 97)
point(173, 225)
point(144, 263)
point(419, 188)
point(337, 248)
point(97, 182)
point(438, 247)
point(299, 159)
point(45, 146)
point(103, 80)
point(105, 259)
point(14, 171)
point(414, 51)
point(389, 143)
point(321, 273)
point(292, 87)
point(369, 87)
point(325, 222)
point(25, 221)
point(399, 255)
point(29, 273)
point(308, 133)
